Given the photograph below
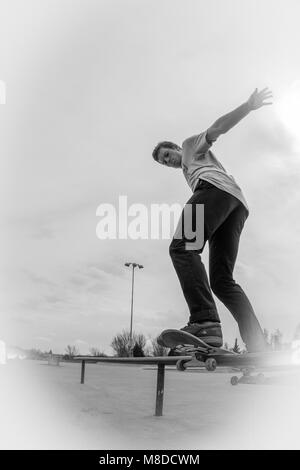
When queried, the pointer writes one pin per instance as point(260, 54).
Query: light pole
point(134, 265)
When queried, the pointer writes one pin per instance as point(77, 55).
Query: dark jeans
point(224, 218)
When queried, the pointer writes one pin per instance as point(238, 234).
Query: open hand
point(257, 99)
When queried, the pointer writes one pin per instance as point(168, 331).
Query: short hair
point(166, 144)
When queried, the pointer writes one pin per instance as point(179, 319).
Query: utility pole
point(134, 265)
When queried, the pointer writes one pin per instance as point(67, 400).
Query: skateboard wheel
point(181, 364)
point(234, 380)
point(211, 364)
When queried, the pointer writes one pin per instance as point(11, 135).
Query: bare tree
point(72, 351)
point(121, 343)
point(276, 340)
point(138, 351)
point(36, 354)
point(236, 347)
point(140, 340)
point(266, 335)
point(297, 333)
point(158, 350)
point(97, 352)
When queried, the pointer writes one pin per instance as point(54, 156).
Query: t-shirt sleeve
point(201, 143)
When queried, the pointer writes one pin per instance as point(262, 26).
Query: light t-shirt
point(198, 162)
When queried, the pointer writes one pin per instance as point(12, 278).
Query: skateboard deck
point(212, 357)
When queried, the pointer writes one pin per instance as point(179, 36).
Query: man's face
point(169, 157)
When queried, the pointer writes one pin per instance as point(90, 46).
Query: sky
point(91, 87)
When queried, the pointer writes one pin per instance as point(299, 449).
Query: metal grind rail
point(160, 362)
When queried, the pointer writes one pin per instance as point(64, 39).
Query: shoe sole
point(212, 341)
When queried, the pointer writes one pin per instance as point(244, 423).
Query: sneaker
point(210, 332)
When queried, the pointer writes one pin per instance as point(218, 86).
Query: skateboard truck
point(210, 365)
point(209, 362)
point(247, 377)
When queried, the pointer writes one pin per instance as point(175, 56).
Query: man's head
point(168, 153)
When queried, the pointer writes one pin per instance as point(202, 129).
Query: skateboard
point(198, 348)
point(212, 357)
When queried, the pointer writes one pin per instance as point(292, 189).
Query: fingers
point(257, 99)
point(268, 97)
point(266, 93)
point(264, 90)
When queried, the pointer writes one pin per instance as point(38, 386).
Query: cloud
point(43, 233)
point(94, 119)
point(38, 279)
point(44, 338)
point(54, 299)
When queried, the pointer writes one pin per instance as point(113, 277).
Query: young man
point(225, 212)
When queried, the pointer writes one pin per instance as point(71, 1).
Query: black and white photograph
point(150, 230)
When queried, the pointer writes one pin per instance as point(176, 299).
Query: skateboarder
point(225, 212)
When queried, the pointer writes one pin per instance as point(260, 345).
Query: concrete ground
point(46, 407)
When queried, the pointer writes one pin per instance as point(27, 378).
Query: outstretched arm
point(226, 122)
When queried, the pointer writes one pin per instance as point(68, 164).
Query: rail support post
point(160, 389)
point(82, 371)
